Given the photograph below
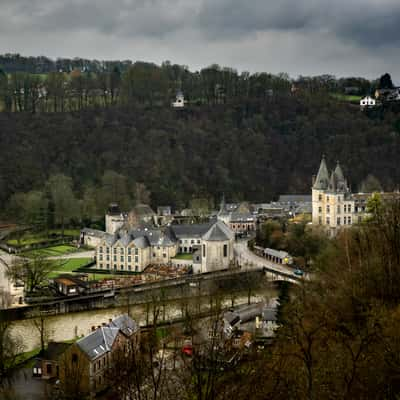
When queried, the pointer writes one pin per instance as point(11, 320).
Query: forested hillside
point(251, 150)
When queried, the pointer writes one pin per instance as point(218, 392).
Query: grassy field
point(346, 97)
point(53, 251)
point(68, 266)
point(34, 238)
point(184, 256)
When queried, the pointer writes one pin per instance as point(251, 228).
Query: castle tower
point(320, 185)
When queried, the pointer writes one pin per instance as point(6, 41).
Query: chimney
point(93, 328)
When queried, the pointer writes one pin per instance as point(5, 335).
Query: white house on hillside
point(367, 101)
point(179, 101)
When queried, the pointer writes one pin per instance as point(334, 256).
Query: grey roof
point(241, 217)
point(110, 239)
point(322, 179)
point(276, 253)
point(269, 314)
point(190, 230)
point(101, 340)
point(125, 324)
point(218, 232)
point(141, 242)
point(295, 198)
point(98, 342)
point(93, 232)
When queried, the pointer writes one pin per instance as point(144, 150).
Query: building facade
point(133, 250)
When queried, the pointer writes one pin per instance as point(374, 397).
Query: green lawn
point(52, 251)
point(33, 238)
point(68, 266)
point(346, 97)
point(184, 256)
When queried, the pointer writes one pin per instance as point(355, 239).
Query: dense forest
point(254, 151)
point(113, 136)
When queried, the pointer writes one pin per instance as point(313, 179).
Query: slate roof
point(218, 232)
point(125, 324)
point(190, 230)
point(99, 342)
point(276, 253)
point(93, 232)
point(295, 198)
point(322, 179)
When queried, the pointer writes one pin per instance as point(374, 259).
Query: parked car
point(298, 272)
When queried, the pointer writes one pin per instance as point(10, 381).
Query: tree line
point(42, 85)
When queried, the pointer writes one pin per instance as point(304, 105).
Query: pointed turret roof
point(339, 172)
point(322, 180)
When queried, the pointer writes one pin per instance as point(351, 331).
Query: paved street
point(247, 257)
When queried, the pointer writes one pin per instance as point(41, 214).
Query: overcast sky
point(301, 37)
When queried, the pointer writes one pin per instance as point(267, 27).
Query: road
point(250, 260)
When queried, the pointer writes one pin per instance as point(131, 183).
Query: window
point(327, 198)
point(121, 250)
point(49, 369)
point(320, 197)
point(320, 220)
point(192, 241)
point(136, 251)
point(338, 220)
point(338, 209)
point(328, 221)
point(122, 258)
point(345, 208)
point(100, 249)
point(136, 259)
point(204, 250)
point(108, 258)
point(225, 250)
point(129, 250)
point(101, 257)
point(164, 255)
point(129, 259)
point(154, 254)
point(129, 267)
point(108, 266)
point(349, 208)
point(320, 210)
point(107, 250)
point(328, 209)
point(122, 267)
point(198, 241)
point(115, 258)
point(349, 220)
point(136, 268)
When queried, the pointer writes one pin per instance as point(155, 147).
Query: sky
point(300, 37)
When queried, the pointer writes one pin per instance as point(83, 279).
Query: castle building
point(333, 205)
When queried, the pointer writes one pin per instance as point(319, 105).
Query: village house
point(71, 285)
point(238, 217)
point(48, 364)
point(367, 102)
point(87, 362)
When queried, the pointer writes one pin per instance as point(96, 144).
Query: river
point(69, 326)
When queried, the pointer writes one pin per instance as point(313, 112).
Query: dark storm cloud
point(365, 22)
point(299, 36)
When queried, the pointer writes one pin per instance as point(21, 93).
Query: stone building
point(333, 205)
point(133, 250)
point(238, 217)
